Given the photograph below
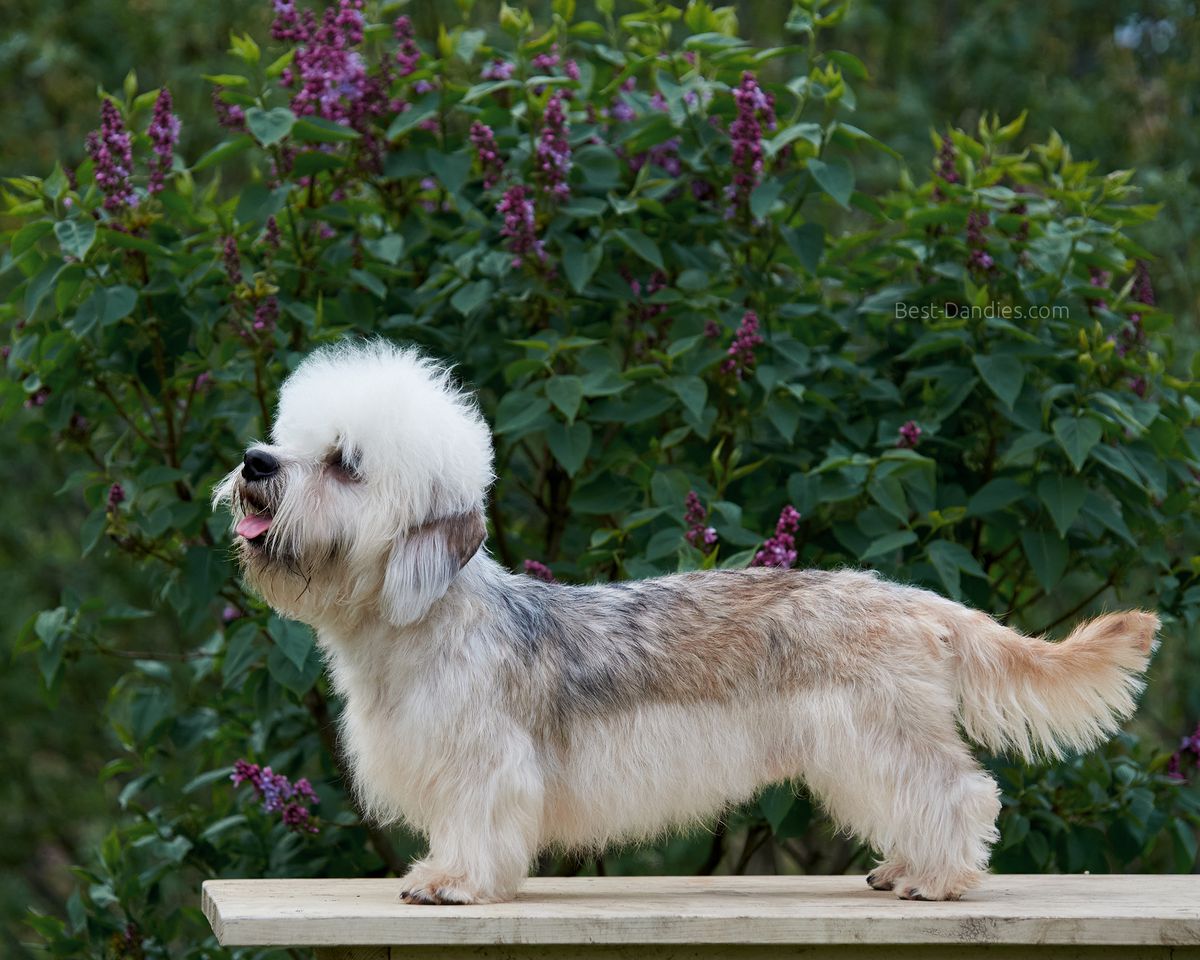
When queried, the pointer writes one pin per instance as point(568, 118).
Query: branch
point(1112, 578)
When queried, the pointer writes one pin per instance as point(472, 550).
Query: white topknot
point(412, 429)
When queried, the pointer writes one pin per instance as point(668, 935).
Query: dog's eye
point(345, 465)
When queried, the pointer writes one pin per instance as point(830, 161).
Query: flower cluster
point(328, 75)
point(164, 134)
point(116, 496)
point(111, 150)
point(699, 534)
point(740, 355)
point(780, 550)
point(266, 315)
point(1133, 334)
point(553, 150)
point(910, 434)
point(978, 259)
point(1098, 278)
point(544, 61)
point(945, 166)
point(229, 115)
point(233, 262)
point(279, 795)
point(665, 155)
point(539, 571)
point(754, 109)
point(498, 70)
point(484, 141)
point(1188, 747)
point(408, 54)
point(519, 224)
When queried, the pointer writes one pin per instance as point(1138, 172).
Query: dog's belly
point(634, 774)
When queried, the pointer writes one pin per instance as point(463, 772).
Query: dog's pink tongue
point(253, 525)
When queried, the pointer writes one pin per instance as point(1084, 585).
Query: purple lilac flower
point(978, 259)
point(278, 794)
point(712, 329)
point(271, 235)
point(539, 571)
point(1133, 334)
point(1188, 746)
point(659, 102)
point(328, 75)
point(947, 167)
point(699, 534)
point(229, 613)
point(484, 141)
point(498, 70)
point(754, 109)
point(544, 61)
point(233, 263)
point(111, 151)
point(910, 434)
point(116, 496)
point(740, 355)
point(37, 398)
point(164, 134)
point(520, 225)
point(1139, 386)
point(1098, 278)
point(665, 155)
point(553, 150)
point(408, 55)
point(780, 550)
point(621, 111)
point(266, 314)
point(571, 69)
point(229, 115)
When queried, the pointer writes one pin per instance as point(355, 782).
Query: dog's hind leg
point(898, 776)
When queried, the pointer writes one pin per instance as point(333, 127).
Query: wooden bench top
point(1006, 909)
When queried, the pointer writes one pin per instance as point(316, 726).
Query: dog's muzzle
point(257, 466)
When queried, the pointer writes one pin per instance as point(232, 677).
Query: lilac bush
point(700, 340)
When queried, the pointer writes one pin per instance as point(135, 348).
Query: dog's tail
point(1023, 694)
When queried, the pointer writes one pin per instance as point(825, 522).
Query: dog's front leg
point(481, 840)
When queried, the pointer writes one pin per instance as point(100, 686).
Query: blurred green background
point(1119, 81)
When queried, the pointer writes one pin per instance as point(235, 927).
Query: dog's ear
point(425, 560)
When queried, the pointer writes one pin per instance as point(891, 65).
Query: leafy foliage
point(681, 315)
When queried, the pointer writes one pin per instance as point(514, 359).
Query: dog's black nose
point(259, 465)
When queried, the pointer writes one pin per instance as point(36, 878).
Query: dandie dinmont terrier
point(501, 715)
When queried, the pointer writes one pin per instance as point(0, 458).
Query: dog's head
point(371, 491)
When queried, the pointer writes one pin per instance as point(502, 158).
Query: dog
point(501, 715)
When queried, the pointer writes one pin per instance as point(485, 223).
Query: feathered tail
point(1023, 694)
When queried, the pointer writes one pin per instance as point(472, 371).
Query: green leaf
point(950, 560)
point(223, 151)
point(599, 165)
point(807, 242)
point(1063, 497)
point(888, 543)
point(566, 393)
point(369, 281)
point(580, 262)
point(320, 130)
point(471, 296)
point(76, 237)
point(1077, 436)
point(1003, 374)
point(119, 302)
point(1047, 555)
point(692, 391)
point(764, 196)
point(889, 494)
point(517, 410)
point(995, 495)
point(642, 245)
point(569, 444)
point(389, 248)
point(293, 638)
point(299, 680)
point(270, 126)
point(836, 179)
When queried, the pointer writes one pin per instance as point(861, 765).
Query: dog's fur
point(500, 715)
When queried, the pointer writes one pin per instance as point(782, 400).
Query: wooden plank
point(1007, 909)
point(714, 951)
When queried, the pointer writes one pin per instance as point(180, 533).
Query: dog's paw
point(885, 875)
point(435, 888)
point(930, 888)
